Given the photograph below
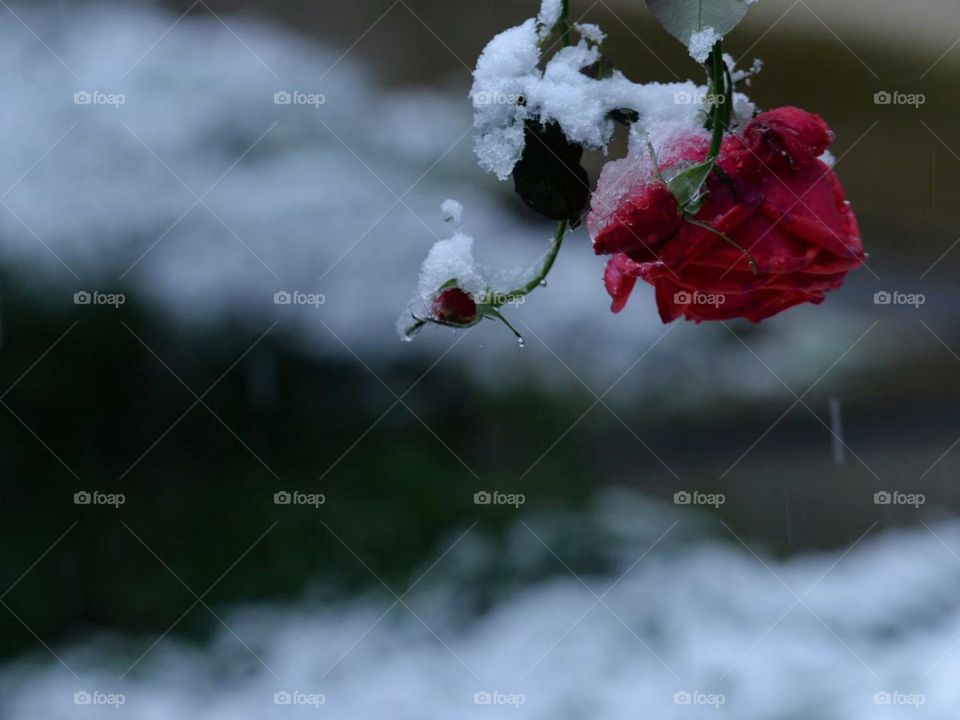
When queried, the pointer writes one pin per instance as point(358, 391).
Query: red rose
point(454, 306)
point(771, 196)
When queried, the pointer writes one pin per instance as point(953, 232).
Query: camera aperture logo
point(696, 697)
point(295, 297)
point(95, 697)
point(84, 497)
point(95, 297)
point(895, 497)
point(296, 697)
point(685, 497)
point(314, 500)
point(495, 697)
point(896, 297)
point(296, 97)
point(895, 97)
point(499, 498)
point(95, 97)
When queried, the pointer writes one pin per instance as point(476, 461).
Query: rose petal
point(618, 281)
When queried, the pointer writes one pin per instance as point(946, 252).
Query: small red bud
point(454, 306)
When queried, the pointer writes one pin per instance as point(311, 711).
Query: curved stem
point(546, 266)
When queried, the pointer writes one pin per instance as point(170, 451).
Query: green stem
point(564, 25)
point(718, 91)
point(547, 264)
point(721, 90)
point(544, 268)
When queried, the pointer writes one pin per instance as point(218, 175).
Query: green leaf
point(683, 18)
point(687, 186)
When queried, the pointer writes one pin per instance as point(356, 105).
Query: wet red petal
point(772, 198)
point(618, 280)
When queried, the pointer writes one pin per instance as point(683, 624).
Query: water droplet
point(521, 342)
point(543, 283)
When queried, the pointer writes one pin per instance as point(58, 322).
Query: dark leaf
point(625, 117)
point(549, 177)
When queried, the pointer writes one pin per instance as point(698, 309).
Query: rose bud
point(455, 307)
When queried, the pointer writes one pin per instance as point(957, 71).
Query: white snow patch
point(452, 211)
point(501, 78)
point(451, 259)
point(591, 32)
point(701, 43)
point(509, 89)
point(744, 76)
point(550, 12)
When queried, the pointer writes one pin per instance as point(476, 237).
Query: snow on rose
point(725, 210)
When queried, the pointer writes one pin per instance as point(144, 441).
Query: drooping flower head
point(774, 231)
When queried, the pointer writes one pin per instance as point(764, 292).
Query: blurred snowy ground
point(830, 636)
point(202, 197)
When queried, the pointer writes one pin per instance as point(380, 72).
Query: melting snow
point(509, 88)
point(701, 43)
